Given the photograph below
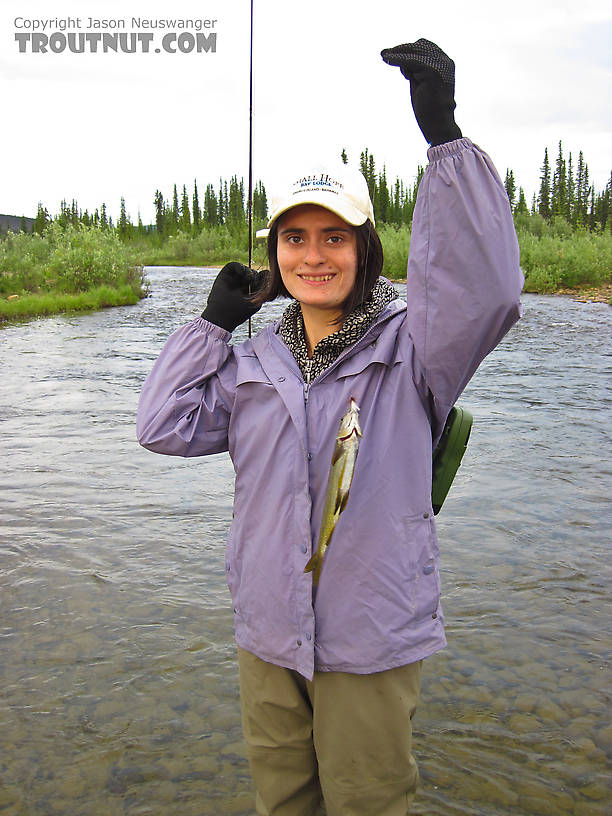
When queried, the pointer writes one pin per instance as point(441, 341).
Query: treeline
point(565, 194)
point(226, 205)
point(566, 198)
point(393, 204)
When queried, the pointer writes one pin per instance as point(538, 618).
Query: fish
point(338, 484)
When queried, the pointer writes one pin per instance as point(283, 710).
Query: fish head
point(349, 424)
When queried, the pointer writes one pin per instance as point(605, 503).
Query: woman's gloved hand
point(228, 302)
point(432, 87)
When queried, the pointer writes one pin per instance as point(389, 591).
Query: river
point(118, 679)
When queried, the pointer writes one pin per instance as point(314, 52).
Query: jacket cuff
point(449, 149)
point(211, 329)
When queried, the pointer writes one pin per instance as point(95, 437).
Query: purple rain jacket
point(377, 605)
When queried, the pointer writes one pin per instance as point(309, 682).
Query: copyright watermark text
point(135, 35)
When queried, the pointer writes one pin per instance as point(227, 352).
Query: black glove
point(432, 87)
point(228, 302)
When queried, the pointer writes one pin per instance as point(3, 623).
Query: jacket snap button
point(428, 569)
point(299, 643)
point(425, 515)
point(435, 615)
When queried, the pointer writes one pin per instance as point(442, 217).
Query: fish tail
point(314, 566)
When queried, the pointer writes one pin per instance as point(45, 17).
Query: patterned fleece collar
point(327, 350)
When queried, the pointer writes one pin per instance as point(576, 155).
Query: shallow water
point(118, 680)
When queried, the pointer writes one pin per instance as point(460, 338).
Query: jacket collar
point(283, 372)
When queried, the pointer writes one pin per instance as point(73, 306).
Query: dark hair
point(369, 268)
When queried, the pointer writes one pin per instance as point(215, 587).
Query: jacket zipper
point(307, 380)
point(344, 353)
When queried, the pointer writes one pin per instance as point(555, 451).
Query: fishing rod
point(250, 199)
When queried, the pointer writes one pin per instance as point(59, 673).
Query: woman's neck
point(318, 323)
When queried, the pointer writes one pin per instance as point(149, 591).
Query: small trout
point(338, 483)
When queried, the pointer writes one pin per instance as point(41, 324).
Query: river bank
point(16, 307)
point(589, 294)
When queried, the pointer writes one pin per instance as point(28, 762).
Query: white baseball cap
point(341, 189)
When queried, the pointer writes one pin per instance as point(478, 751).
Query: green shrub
point(396, 245)
point(65, 259)
point(552, 262)
point(85, 257)
point(47, 304)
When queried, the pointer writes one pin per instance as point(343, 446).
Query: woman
point(330, 674)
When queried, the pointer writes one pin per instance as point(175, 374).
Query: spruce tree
point(570, 205)
point(123, 220)
point(236, 202)
point(210, 213)
point(225, 203)
point(368, 171)
point(221, 204)
point(371, 177)
point(185, 216)
point(196, 208)
point(395, 215)
point(510, 186)
point(521, 205)
point(558, 198)
point(383, 199)
point(544, 195)
point(344, 157)
point(363, 163)
point(159, 212)
point(582, 192)
point(41, 220)
point(260, 202)
point(174, 212)
point(602, 208)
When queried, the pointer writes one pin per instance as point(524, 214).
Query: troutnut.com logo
point(135, 35)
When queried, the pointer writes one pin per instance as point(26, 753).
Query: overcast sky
point(96, 127)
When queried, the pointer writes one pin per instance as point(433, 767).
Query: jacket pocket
point(423, 565)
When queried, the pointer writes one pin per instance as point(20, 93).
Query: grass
point(41, 305)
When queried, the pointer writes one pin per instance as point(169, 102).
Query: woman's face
point(317, 257)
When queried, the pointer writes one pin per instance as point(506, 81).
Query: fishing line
point(250, 199)
point(365, 267)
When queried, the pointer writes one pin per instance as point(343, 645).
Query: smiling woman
point(330, 672)
point(323, 249)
